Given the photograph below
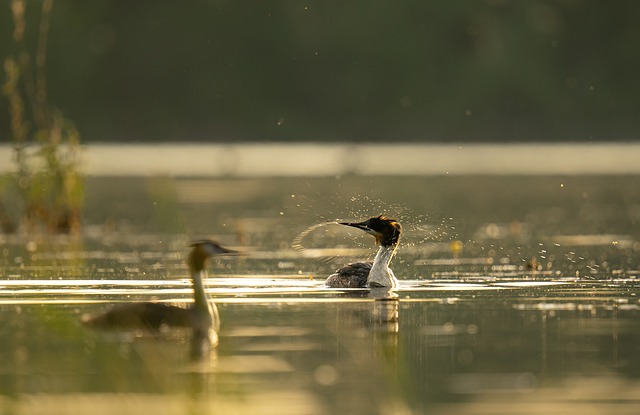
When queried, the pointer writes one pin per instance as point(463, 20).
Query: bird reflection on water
point(201, 316)
point(385, 306)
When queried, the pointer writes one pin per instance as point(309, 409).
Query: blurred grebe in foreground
point(201, 315)
point(371, 274)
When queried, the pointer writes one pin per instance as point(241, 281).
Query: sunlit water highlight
point(324, 160)
point(293, 289)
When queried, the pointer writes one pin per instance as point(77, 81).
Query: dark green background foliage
point(343, 70)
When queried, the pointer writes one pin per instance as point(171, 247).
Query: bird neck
point(201, 303)
point(380, 274)
point(205, 312)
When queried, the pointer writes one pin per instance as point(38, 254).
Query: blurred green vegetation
point(46, 182)
point(329, 71)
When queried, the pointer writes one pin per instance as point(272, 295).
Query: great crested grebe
point(201, 315)
point(371, 274)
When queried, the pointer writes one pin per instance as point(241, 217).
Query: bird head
point(202, 250)
point(386, 231)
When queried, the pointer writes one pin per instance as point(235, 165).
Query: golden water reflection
point(514, 298)
point(454, 349)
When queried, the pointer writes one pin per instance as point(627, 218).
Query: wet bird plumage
point(375, 273)
point(137, 315)
point(353, 275)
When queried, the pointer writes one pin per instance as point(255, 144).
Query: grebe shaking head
point(371, 274)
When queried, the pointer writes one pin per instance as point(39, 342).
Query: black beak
point(364, 226)
point(217, 248)
point(230, 252)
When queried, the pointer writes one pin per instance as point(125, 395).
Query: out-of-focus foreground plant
point(46, 183)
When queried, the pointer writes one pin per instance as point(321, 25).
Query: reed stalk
point(46, 145)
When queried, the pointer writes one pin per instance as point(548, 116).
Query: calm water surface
point(518, 294)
